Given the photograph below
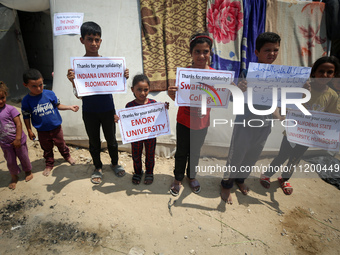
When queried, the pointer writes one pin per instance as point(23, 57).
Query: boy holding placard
point(98, 110)
point(248, 142)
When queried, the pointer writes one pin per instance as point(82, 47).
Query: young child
point(98, 110)
point(13, 139)
point(42, 107)
point(140, 89)
point(248, 142)
point(323, 99)
point(192, 126)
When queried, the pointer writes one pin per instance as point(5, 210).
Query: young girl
point(323, 99)
point(13, 140)
point(140, 89)
point(192, 126)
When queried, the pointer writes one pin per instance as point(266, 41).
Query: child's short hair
point(3, 88)
point(31, 74)
point(266, 37)
point(139, 78)
point(200, 38)
point(90, 28)
point(326, 59)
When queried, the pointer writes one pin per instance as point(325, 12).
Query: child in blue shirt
point(42, 107)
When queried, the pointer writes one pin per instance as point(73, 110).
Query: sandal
point(175, 188)
point(118, 170)
point(265, 181)
point(96, 175)
point(148, 179)
point(285, 186)
point(195, 186)
point(136, 178)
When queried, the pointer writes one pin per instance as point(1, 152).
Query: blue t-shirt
point(42, 109)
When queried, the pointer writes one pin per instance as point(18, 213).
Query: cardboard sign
point(143, 122)
point(321, 129)
point(67, 23)
point(98, 75)
point(193, 83)
point(262, 78)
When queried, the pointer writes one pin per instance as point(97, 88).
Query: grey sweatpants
point(245, 148)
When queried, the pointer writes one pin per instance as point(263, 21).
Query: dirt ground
point(66, 214)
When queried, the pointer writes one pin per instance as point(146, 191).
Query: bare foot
point(71, 161)
point(47, 171)
point(13, 182)
point(226, 196)
point(28, 176)
point(243, 188)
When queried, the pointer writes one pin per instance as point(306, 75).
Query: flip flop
point(148, 179)
point(265, 181)
point(175, 188)
point(96, 174)
point(118, 170)
point(285, 186)
point(136, 178)
point(195, 186)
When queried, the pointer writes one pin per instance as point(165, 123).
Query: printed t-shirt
point(43, 110)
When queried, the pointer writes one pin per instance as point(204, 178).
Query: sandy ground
point(66, 214)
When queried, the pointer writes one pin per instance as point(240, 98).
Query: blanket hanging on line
point(166, 30)
point(302, 28)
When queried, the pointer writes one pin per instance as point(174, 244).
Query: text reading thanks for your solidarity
point(143, 121)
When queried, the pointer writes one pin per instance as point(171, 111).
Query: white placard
point(143, 122)
point(321, 129)
point(98, 75)
point(193, 83)
point(67, 23)
point(262, 78)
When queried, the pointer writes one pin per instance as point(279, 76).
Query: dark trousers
point(188, 148)
point(92, 122)
point(137, 150)
point(286, 152)
point(245, 149)
point(47, 141)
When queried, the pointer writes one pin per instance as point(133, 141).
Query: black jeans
point(92, 122)
point(188, 148)
point(286, 152)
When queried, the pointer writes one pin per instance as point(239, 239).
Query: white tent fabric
point(27, 5)
point(121, 35)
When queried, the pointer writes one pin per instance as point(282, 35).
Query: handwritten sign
point(97, 75)
point(143, 122)
point(321, 129)
point(262, 78)
point(67, 23)
point(193, 83)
